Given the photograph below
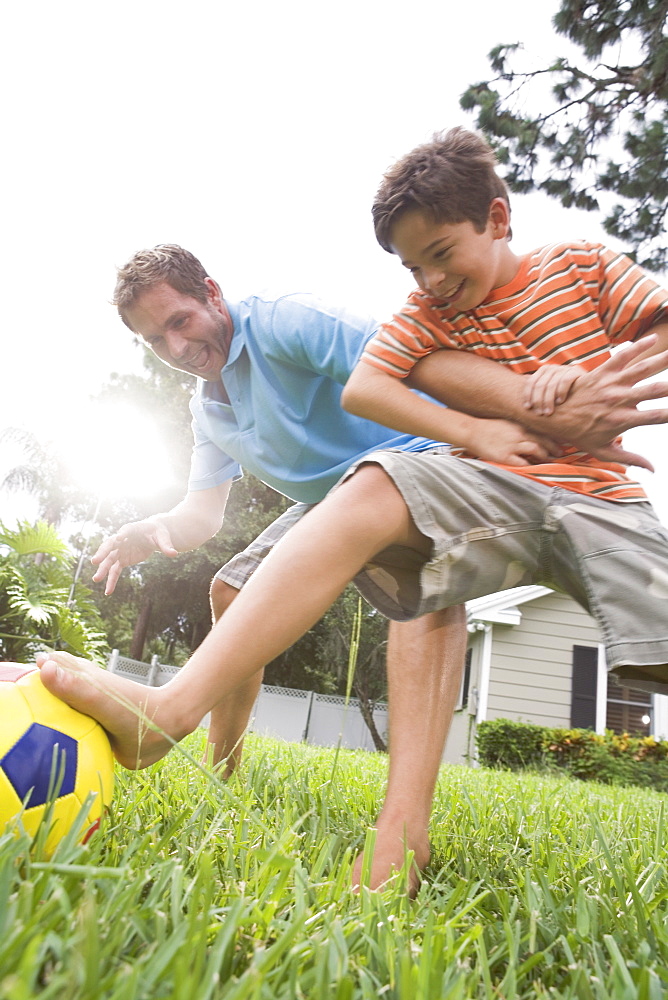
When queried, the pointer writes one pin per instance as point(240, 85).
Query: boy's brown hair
point(166, 262)
point(452, 179)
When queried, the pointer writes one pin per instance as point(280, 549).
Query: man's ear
point(499, 218)
point(213, 293)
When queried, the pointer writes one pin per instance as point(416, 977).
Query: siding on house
point(532, 664)
point(457, 749)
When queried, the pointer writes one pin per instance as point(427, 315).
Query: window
point(628, 710)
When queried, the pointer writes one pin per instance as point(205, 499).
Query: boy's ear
point(499, 218)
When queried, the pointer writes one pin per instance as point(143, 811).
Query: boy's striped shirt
point(568, 303)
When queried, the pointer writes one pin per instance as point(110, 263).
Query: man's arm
point(602, 403)
point(192, 522)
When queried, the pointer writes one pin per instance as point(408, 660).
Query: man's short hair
point(166, 262)
point(451, 179)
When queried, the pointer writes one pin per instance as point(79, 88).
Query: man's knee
point(451, 622)
point(456, 615)
point(221, 595)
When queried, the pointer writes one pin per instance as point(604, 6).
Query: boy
point(420, 532)
point(445, 213)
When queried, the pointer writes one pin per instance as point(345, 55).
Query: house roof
point(503, 607)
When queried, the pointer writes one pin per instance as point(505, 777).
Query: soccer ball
point(52, 758)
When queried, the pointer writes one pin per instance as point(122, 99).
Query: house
point(534, 655)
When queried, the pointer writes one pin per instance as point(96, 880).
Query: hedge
point(609, 758)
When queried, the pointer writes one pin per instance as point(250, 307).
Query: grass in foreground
point(197, 890)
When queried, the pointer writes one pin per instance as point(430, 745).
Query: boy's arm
point(381, 397)
point(601, 405)
point(378, 396)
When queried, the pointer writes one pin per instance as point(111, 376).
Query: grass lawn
point(196, 890)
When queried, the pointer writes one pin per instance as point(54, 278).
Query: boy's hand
point(549, 386)
point(508, 443)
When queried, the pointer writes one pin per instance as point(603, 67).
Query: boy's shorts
point(241, 567)
point(493, 530)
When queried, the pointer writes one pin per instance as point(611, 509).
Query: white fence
point(297, 716)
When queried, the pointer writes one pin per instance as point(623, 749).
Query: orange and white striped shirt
point(568, 303)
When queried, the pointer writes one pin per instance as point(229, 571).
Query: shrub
point(511, 745)
point(611, 758)
point(36, 575)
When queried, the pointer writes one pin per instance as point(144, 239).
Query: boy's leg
point(424, 669)
point(426, 654)
point(313, 564)
point(230, 717)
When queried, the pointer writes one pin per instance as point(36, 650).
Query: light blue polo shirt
point(288, 361)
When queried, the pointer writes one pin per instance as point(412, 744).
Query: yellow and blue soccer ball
point(52, 759)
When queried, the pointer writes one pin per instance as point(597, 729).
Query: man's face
point(451, 260)
point(185, 333)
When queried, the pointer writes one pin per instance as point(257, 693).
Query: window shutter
point(466, 680)
point(583, 691)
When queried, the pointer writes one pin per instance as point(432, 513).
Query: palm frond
point(30, 539)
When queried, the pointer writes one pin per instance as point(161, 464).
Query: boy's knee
point(372, 481)
point(221, 595)
point(374, 506)
point(373, 490)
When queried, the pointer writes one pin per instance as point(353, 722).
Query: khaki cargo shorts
point(492, 530)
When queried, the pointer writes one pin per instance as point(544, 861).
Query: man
point(271, 376)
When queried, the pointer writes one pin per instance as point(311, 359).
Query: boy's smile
point(453, 261)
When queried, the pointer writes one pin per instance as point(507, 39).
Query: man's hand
point(603, 403)
point(600, 406)
point(131, 544)
point(192, 522)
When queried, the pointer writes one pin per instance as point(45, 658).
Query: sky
point(253, 134)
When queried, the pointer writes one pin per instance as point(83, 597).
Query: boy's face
point(451, 260)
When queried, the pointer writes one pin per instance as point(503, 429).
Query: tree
point(38, 604)
point(43, 473)
point(320, 661)
point(355, 631)
point(165, 394)
point(569, 151)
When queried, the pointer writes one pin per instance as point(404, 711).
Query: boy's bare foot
point(392, 847)
point(129, 712)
